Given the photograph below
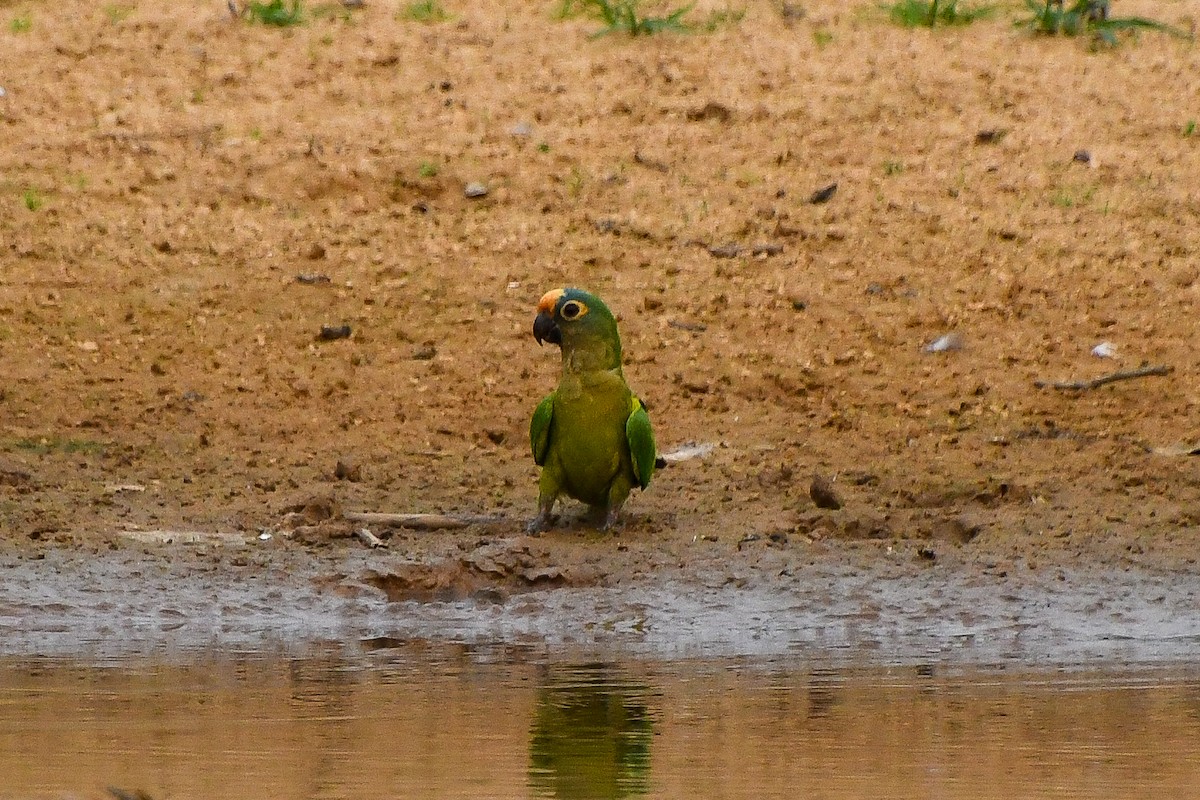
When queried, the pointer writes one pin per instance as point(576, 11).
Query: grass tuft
point(32, 199)
point(1088, 17)
point(427, 11)
point(276, 13)
point(722, 18)
point(929, 13)
point(626, 16)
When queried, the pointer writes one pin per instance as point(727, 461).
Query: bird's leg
point(617, 494)
point(612, 518)
point(544, 516)
point(548, 490)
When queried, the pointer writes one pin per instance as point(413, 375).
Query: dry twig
point(425, 522)
point(369, 539)
point(1112, 377)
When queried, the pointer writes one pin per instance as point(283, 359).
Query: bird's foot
point(541, 522)
point(612, 521)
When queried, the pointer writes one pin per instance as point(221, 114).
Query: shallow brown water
point(420, 720)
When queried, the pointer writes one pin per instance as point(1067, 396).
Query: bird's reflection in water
point(591, 735)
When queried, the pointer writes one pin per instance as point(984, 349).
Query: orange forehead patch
point(549, 301)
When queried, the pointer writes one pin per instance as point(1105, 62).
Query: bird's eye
point(571, 309)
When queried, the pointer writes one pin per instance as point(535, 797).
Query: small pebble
point(476, 189)
point(522, 128)
point(951, 341)
point(331, 332)
point(824, 194)
point(823, 494)
point(1105, 350)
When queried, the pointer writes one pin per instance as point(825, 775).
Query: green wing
point(641, 443)
point(539, 429)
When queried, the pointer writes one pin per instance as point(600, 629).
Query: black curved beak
point(544, 329)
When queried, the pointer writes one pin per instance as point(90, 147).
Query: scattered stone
point(522, 128)
point(823, 494)
point(312, 279)
point(347, 471)
point(1082, 156)
point(710, 110)
point(731, 250)
point(331, 333)
point(475, 189)
point(88, 346)
point(766, 249)
point(1105, 350)
point(824, 194)
point(942, 344)
point(990, 135)
point(425, 352)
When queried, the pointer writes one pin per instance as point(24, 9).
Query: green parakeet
point(591, 436)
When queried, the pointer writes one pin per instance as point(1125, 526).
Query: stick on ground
point(1112, 377)
point(369, 539)
point(427, 522)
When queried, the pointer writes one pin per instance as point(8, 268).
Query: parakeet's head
point(574, 319)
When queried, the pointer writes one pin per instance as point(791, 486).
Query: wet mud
point(250, 288)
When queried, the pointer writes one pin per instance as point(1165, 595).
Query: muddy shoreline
point(188, 200)
point(875, 604)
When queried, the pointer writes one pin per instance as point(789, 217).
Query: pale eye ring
point(571, 310)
